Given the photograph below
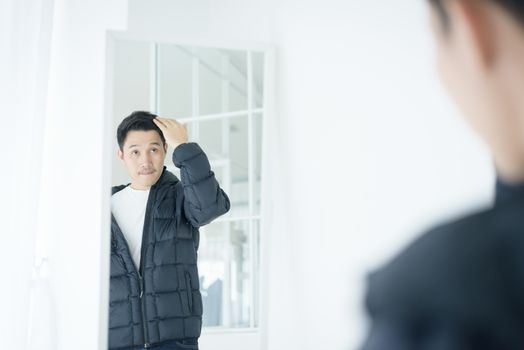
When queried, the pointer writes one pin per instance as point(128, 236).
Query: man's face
point(143, 155)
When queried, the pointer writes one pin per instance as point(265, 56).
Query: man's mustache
point(146, 171)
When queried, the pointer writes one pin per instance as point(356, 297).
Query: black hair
point(138, 120)
point(444, 17)
point(513, 7)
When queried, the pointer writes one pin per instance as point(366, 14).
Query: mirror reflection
point(218, 94)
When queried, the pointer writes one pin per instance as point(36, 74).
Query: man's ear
point(165, 147)
point(120, 154)
point(470, 21)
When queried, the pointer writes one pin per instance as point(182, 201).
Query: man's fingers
point(168, 121)
point(159, 123)
point(163, 120)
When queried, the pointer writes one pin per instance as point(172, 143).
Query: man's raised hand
point(174, 132)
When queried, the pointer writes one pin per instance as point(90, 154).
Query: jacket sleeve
point(204, 200)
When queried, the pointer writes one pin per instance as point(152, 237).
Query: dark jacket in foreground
point(162, 300)
point(459, 286)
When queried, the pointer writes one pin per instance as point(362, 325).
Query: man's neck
point(139, 187)
point(510, 167)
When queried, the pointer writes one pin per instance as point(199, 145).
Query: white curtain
point(25, 33)
point(54, 182)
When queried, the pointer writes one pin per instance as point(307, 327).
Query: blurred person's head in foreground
point(480, 58)
point(461, 285)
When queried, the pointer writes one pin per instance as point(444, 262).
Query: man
point(154, 289)
point(461, 285)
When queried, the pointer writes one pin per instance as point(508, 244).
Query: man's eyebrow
point(152, 143)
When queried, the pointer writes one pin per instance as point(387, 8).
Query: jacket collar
point(505, 191)
point(166, 177)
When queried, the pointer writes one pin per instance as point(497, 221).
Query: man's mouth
point(148, 172)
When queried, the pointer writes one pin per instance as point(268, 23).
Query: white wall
point(25, 31)
point(374, 152)
point(364, 151)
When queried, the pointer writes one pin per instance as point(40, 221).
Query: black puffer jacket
point(162, 300)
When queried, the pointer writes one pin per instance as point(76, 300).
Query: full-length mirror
point(219, 95)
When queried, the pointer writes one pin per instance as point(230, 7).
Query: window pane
point(238, 78)
point(239, 162)
point(256, 270)
point(257, 161)
point(174, 81)
point(257, 59)
point(226, 270)
point(222, 80)
point(211, 99)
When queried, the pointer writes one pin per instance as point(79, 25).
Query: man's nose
point(145, 158)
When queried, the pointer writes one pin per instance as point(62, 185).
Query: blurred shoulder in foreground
point(459, 286)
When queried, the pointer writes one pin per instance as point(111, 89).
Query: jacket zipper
point(143, 307)
point(147, 221)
